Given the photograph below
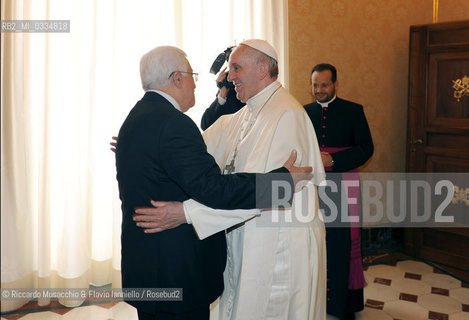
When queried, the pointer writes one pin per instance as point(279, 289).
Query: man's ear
point(263, 69)
point(177, 79)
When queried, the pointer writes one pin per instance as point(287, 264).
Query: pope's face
point(323, 87)
point(244, 73)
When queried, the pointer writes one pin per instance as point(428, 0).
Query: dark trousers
point(198, 314)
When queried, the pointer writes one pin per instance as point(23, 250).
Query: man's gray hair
point(157, 65)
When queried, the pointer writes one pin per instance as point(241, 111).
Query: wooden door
point(438, 127)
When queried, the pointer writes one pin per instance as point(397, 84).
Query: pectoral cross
point(229, 168)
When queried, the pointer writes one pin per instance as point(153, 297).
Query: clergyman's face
point(188, 83)
point(323, 87)
point(244, 73)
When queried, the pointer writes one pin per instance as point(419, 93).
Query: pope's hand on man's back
point(299, 174)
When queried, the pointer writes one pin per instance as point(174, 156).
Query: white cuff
point(207, 221)
point(221, 101)
point(188, 218)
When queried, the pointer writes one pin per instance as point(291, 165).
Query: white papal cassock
point(274, 270)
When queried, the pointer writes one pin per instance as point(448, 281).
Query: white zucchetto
point(262, 46)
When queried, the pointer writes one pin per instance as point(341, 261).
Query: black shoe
point(349, 316)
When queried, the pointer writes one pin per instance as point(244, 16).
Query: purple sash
point(356, 277)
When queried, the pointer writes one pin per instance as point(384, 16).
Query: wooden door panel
point(447, 34)
point(446, 70)
point(447, 164)
point(445, 247)
point(451, 141)
point(438, 130)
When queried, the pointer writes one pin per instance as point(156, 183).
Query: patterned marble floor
point(413, 290)
point(407, 289)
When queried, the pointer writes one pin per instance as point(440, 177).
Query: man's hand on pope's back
point(162, 216)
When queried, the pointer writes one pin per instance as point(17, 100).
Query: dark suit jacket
point(161, 155)
point(342, 124)
point(216, 110)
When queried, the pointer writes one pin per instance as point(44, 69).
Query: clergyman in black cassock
point(345, 139)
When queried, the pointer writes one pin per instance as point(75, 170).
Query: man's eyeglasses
point(195, 75)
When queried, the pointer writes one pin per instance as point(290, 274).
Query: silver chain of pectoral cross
point(230, 168)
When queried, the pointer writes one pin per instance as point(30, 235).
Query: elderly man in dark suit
point(160, 155)
point(345, 142)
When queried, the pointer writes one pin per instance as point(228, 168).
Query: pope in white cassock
point(275, 269)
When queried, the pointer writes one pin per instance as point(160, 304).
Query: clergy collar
point(167, 97)
point(260, 99)
point(326, 104)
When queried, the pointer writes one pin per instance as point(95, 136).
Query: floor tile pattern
point(413, 290)
point(404, 290)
